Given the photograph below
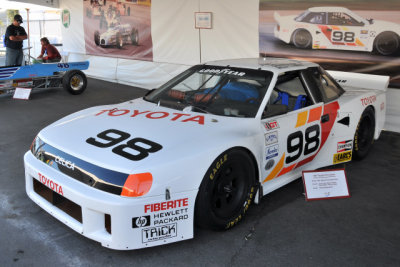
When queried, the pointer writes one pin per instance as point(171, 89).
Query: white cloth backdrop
point(177, 44)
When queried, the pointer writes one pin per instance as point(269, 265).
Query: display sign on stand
point(325, 184)
point(22, 93)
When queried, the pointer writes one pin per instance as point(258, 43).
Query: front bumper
point(116, 222)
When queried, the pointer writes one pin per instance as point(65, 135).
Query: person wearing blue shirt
point(15, 35)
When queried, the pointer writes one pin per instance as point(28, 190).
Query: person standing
point(52, 53)
point(15, 35)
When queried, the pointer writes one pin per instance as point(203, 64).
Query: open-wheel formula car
point(199, 149)
point(338, 28)
point(44, 76)
point(118, 36)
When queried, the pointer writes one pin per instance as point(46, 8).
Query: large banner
point(118, 28)
point(358, 36)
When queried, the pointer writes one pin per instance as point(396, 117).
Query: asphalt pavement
point(283, 230)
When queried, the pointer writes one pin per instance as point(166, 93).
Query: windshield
point(217, 90)
point(302, 16)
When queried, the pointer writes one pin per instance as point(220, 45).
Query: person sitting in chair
point(52, 53)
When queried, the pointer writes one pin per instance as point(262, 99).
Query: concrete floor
point(284, 230)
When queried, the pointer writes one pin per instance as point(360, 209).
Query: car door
point(292, 138)
point(344, 32)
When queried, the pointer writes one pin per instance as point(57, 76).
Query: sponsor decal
point(271, 138)
point(222, 71)
point(170, 216)
point(269, 125)
point(382, 105)
point(342, 157)
point(172, 204)
point(344, 146)
point(158, 233)
point(65, 18)
point(364, 31)
point(218, 165)
point(372, 33)
point(141, 221)
point(182, 117)
point(269, 164)
point(64, 162)
point(51, 184)
point(368, 100)
point(271, 151)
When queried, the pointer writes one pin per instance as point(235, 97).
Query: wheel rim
point(76, 82)
point(229, 190)
point(364, 133)
point(387, 44)
point(302, 39)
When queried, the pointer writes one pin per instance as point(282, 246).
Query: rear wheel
point(302, 39)
point(227, 190)
point(387, 43)
point(75, 82)
point(119, 40)
point(364, 136)
point(134, 36)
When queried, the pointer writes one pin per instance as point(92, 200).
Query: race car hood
point(137, 137)
point(381, 25)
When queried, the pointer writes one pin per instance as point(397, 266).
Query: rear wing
point(360, 80)
point(277, 17)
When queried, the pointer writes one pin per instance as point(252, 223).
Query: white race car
point(199, 149)
point(337, 28)
point(118, 36)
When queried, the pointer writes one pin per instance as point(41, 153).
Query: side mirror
point(149, 92)
point(275, 110)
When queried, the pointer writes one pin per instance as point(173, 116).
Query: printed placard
point(325, 184)
point(22, 93)
point(203, 20)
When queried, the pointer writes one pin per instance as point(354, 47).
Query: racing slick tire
point(227, 190)
point(364, 135)
point(97, 38)
point(119, 41)
point(387, 43)
point(302, 38)
point(135, 36)
point(74, 81)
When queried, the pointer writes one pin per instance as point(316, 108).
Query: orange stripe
point(275, 171)
point(287, 169)
point(358, 42)
point(301, 118)
point(315, 114)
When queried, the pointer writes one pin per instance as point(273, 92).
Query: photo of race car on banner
point(118, 29)
point(349, 36)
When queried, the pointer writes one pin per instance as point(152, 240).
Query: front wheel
point(227, 190)
point(97, 38)
point(75, 82)
point(302, 39)
point(387, 43)
point(364, 136)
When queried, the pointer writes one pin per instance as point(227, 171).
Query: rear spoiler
point(360, 80)
point(277, 17)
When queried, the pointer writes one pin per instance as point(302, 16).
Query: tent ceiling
point(16, 4)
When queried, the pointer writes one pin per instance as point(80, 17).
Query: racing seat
point(284, 99)
point(236, 91)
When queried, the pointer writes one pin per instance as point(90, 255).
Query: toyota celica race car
point(200, 149)
point(337, 28)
